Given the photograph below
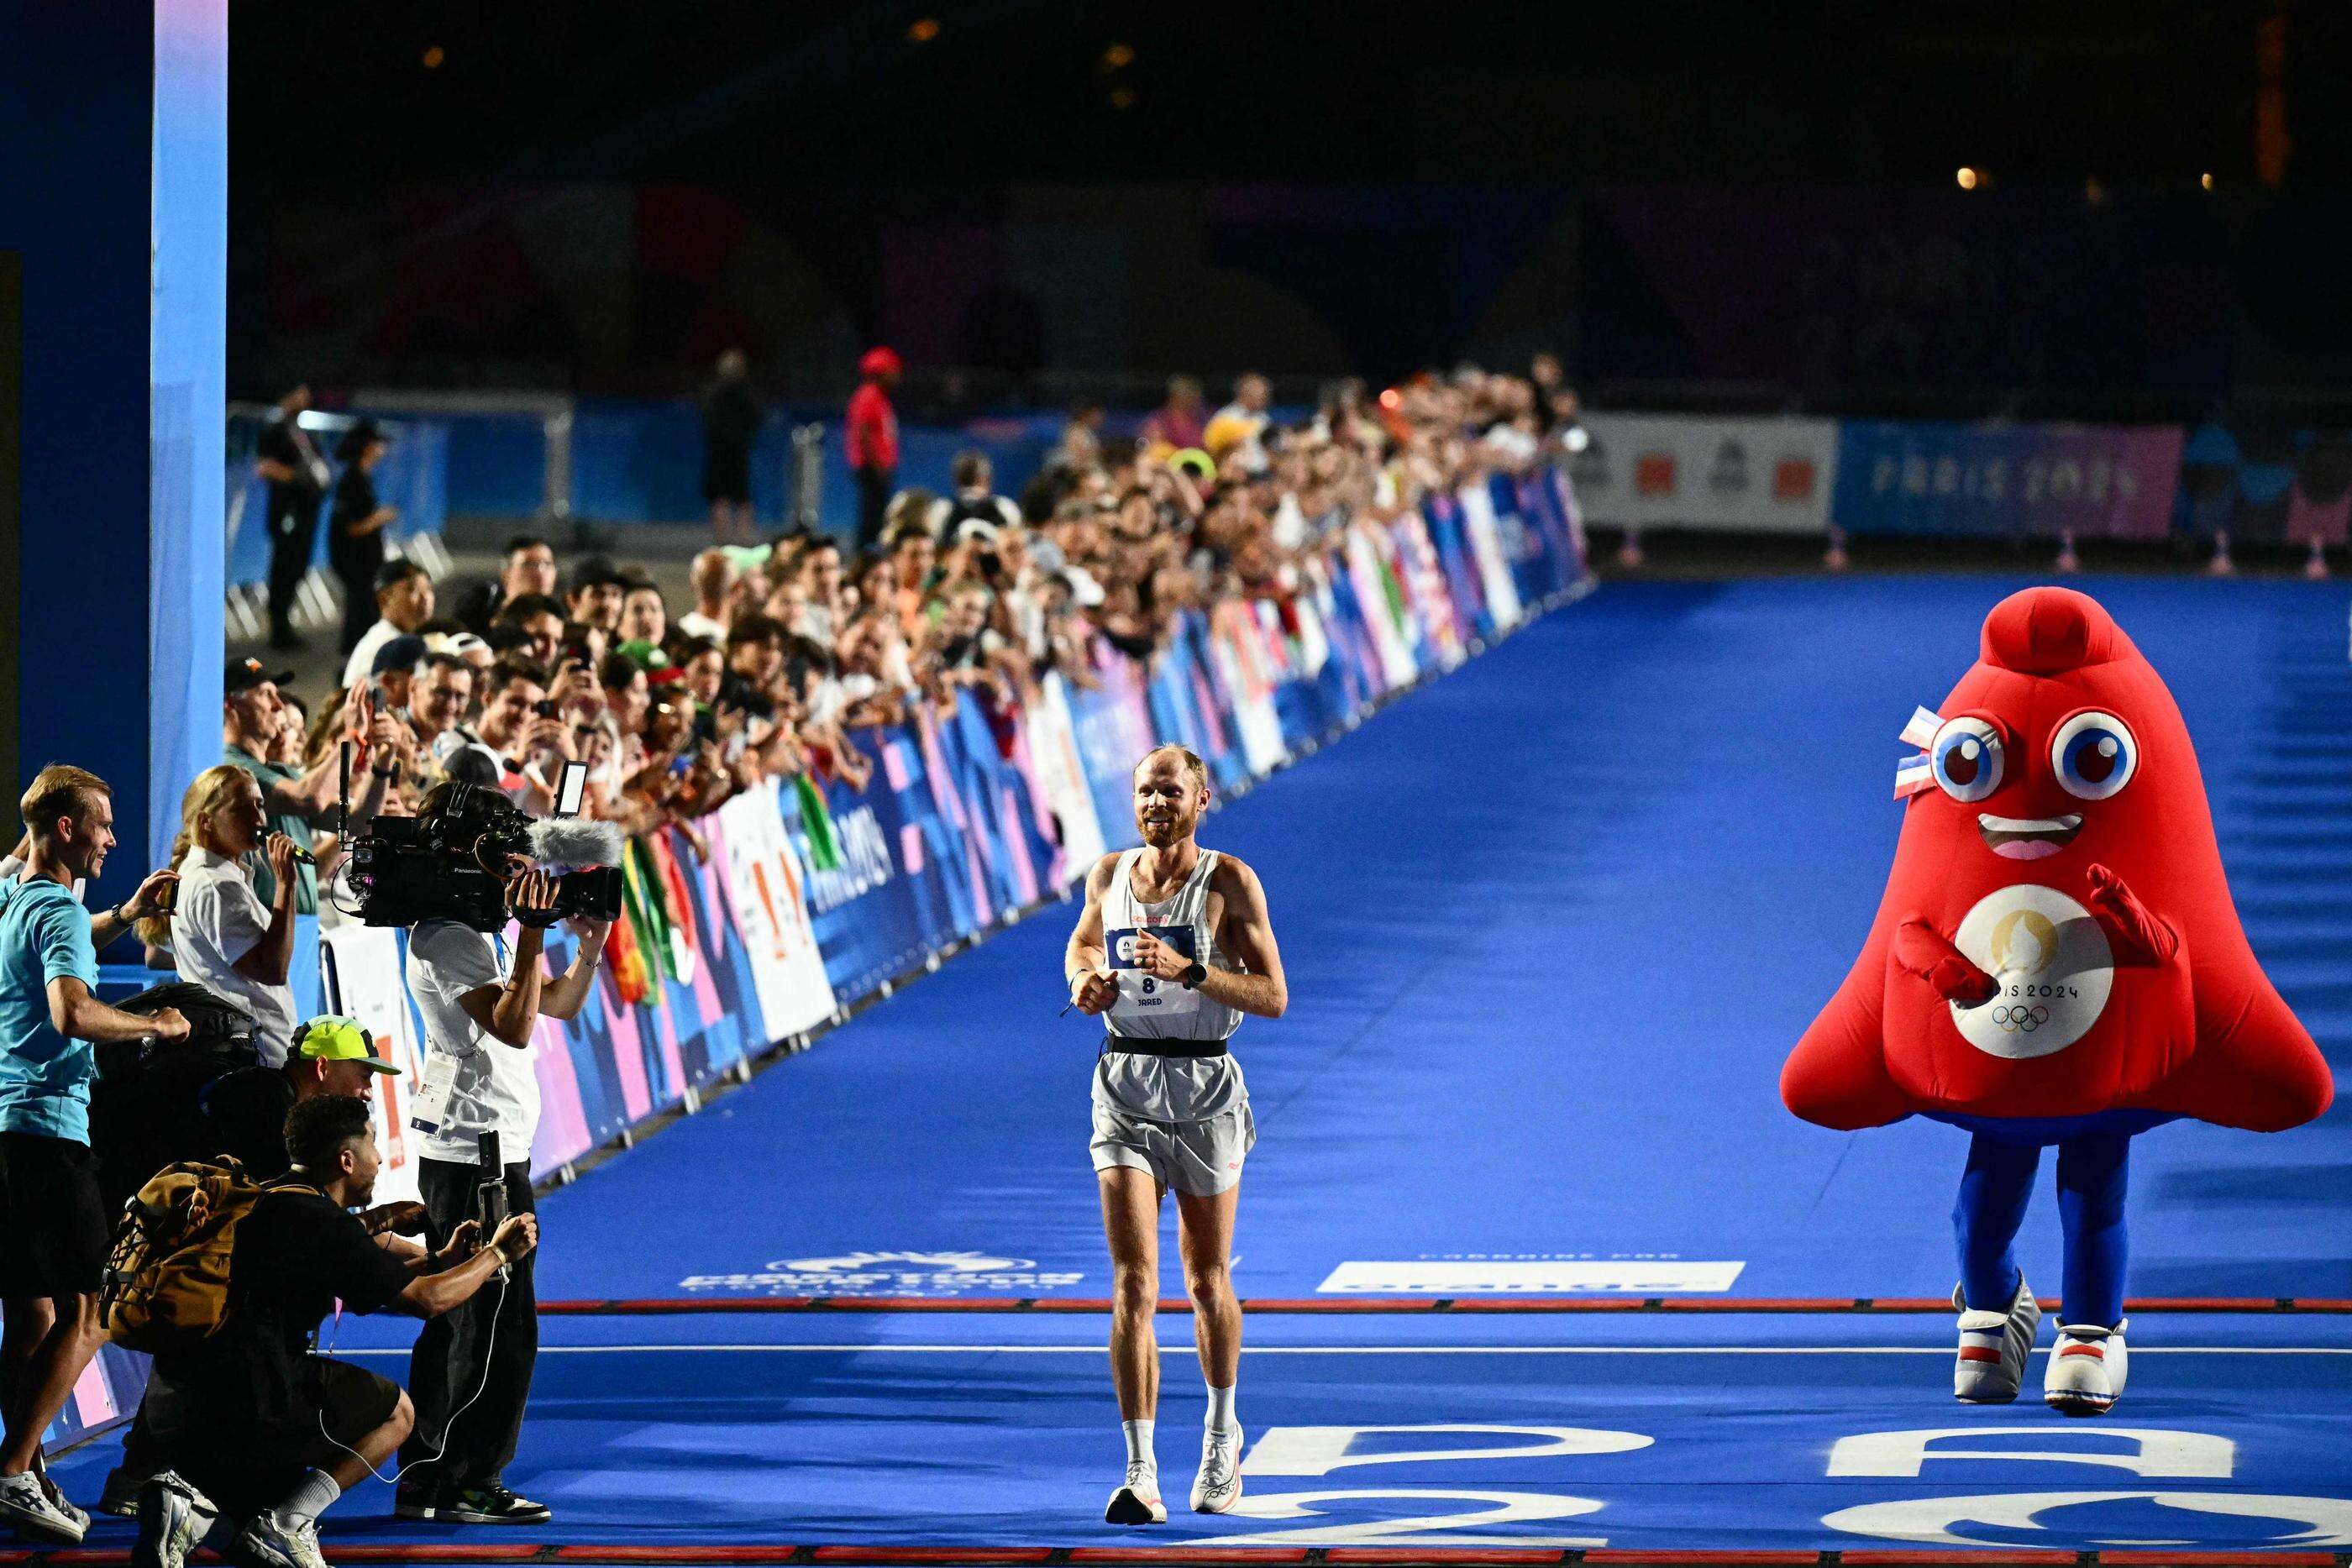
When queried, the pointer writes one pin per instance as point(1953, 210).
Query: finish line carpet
point(1551, 925)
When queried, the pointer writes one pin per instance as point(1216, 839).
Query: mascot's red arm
point(2255, 1065)
point(1837, 1076)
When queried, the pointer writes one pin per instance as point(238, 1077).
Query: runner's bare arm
point(1084, 963)
point(1247, 936)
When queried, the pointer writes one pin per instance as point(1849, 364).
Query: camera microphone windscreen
point(575, 841)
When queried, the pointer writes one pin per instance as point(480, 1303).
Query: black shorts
point(54, 1230)
point(244, 1458)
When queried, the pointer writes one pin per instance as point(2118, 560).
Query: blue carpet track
point(1553, 924)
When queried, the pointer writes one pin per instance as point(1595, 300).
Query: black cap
point(244, 675)
point(393, 573)
point(405, 651)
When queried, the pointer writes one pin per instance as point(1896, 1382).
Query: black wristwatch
point(1194, 972)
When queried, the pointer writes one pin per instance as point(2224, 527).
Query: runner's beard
point(1175, 830)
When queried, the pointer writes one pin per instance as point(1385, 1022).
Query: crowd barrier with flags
point(757, 926)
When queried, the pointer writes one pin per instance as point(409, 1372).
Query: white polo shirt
point(496, 1085)
point(218, 920)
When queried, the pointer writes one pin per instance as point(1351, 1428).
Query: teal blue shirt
point(44, 1077)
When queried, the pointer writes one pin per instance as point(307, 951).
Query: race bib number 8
point(1142, 995)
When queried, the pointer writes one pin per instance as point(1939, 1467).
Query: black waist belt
point(1136, 1045)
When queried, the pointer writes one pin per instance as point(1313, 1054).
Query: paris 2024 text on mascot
point(2056, 962)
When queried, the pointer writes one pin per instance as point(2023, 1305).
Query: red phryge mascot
point(2056, 961)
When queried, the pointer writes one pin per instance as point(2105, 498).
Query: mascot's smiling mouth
point(2027, 838)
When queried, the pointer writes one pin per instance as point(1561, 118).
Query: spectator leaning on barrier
point(713, 578)
point(403, 602)
point(55, 1260)
point(873, 438)
point(644, 618)
point(975, 499)
point(480, 1002)
point(531, 745)
point(598, 590)
point(254, 1424)
point(288, 463)
point(355, 524)
point(539, 617)
point(526, 567)
point(221, 937)
point(439, 697)
point(299, 801)
point(1177, 423)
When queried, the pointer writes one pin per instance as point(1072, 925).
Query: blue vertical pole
point(113, 218)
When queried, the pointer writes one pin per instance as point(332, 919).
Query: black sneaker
point(416, 1500)
point(492, 1504)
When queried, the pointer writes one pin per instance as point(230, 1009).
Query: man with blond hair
point(50, 1212)
point(1175, 946)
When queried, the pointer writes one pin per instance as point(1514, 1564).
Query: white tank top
point(1162, 1087)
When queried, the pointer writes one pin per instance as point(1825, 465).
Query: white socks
point(1221, 1410)
point(1138, 1444)
point(313, 1495)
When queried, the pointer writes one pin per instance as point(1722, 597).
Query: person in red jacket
point(874, 441)
point(2056, 961)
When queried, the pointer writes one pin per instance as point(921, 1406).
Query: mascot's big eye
point(1966, 757)
point(2094, 754)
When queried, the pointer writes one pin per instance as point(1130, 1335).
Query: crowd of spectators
point(786, 647)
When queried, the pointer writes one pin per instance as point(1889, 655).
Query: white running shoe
point(26, 1507)
point(1994, 1347)
point(2086, 1370)
point(1136, 1501)
point(1219, 1484)
point(268, 1541)
point(173, 1519)
point(65, 1504)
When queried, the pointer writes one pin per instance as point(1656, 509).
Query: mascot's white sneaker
point(1994, 1347)
point(2085, 1375)
point(1136, 1501)
point(1219, 1485)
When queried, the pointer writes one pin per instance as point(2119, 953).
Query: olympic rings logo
point(2020, 1021)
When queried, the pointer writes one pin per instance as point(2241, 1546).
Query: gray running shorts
point(1199, 1159)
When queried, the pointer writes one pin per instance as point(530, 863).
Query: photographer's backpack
point(167, 1279)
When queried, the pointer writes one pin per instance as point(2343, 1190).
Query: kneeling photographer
point(250, 1422)
point(455, 875)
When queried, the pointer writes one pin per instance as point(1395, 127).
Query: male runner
point(1175, 946)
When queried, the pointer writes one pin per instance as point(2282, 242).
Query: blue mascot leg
point(2093, 1171)
point(1994, 1191)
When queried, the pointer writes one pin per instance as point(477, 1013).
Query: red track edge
point(653, 1306)
point(620, 1556)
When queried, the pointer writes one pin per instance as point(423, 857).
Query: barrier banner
point(885, 907)
point(363, 967)
point(1919, 478)
point(1723, 472)
point(1466, 600)
point(1113, 725)
point(1485, 533)
point(2265, 485)
point(1057, 775)
point(767, 895)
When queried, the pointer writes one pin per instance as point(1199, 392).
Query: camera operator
point(480, 1003)
point(50, 1211)
point(250, 1420)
